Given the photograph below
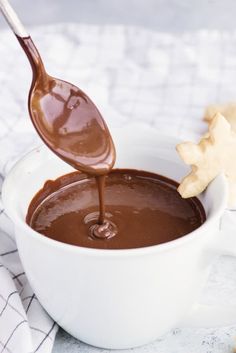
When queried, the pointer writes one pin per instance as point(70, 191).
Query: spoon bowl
point(71, 125)
point(67, 120)
point(64, 116)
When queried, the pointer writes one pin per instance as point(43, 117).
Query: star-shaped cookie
point(227, 110)
point(215, 153)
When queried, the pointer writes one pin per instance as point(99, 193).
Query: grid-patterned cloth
point(132, 74)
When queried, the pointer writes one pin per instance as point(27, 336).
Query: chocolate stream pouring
point(64, 116)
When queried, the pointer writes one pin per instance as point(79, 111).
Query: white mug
point(118, 298)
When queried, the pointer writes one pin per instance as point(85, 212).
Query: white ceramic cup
point(118, 298)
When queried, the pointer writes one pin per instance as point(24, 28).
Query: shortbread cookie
point(215, 153)
point(227, 110)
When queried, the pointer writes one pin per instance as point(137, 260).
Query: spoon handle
point(12, 19)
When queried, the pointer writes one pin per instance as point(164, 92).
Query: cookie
point(227, 110)
point(215, 153)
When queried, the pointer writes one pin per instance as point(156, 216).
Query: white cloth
point(132, 74)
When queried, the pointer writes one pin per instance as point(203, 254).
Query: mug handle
point(206, 316)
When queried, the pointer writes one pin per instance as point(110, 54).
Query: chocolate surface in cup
point(142, 209)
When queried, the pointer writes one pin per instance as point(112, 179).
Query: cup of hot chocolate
point(132, 291)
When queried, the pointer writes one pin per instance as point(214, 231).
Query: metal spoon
point(64, 116)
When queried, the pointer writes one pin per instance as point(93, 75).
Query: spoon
point(64, 116)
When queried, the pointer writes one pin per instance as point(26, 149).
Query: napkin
point(134, 75)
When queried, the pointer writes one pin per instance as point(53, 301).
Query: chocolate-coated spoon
point(64, 116)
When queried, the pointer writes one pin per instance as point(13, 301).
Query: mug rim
point(18, 221)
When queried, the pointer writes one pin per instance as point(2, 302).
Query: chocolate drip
point(70, 124)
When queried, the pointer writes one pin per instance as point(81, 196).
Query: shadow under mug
point(119, 298)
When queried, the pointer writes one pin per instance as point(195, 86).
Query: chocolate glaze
point(142, 208)
point(70, 124)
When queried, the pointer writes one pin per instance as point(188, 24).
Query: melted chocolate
point(67, 120)
point(142, 208)
point(70, 125)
